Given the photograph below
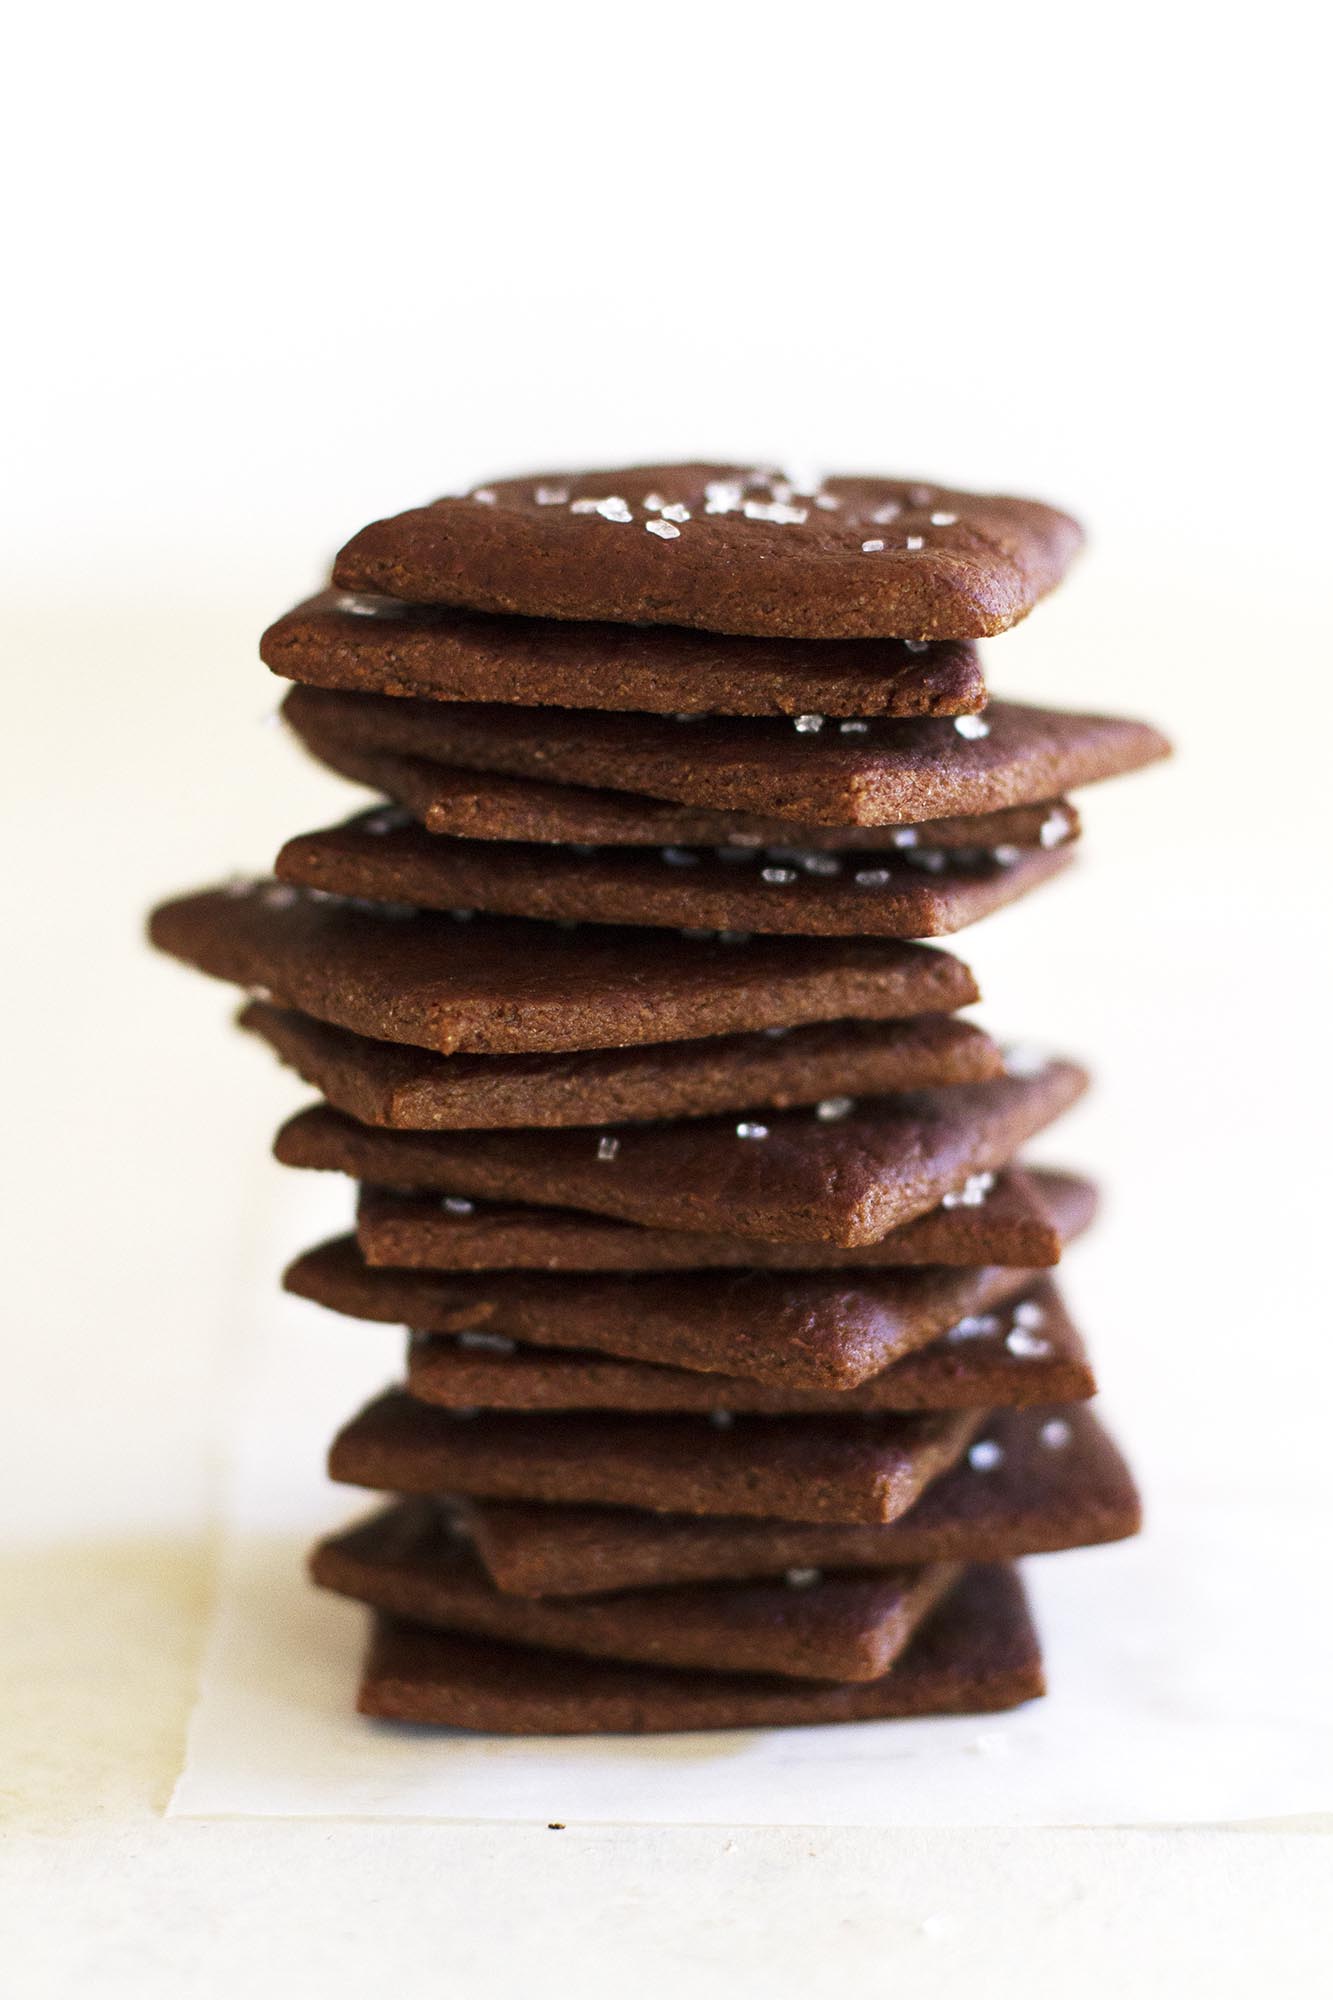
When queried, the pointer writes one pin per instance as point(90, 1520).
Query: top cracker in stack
point(703, 1205)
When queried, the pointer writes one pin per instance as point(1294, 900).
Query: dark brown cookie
point(728, 548)
point(387, 1083)
point(500, 986)
point(977, 1654)
point(405, 1561)
point(808, 1468)
point(380, 645)
point(1059, 1482)
point(1009, 1224)
point(924, 892)
point(810, 769)
point(846, 1173)
point(382, 744)
point(820, 1330)
point(1021, 1351)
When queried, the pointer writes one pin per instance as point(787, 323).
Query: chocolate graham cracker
point(808, 1468)
point(879, 772)
point(847, 1177)
point(380, 645)
point(385, 745)
point(821, 1330)
point(1058, 1482)
point(921, 893)
point(406, 1561)
point(1018, 1350)
point(1009, 1223)
point(978, 1653)
point(502, 986)
point(728, 548)
point(388, 1083)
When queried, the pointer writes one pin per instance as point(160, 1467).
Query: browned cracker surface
point(502, 986)
point(380, 645)
point(391, 1083)
point(793, 1176)
point(405, 1561)
point(727, 548)
point(977, 1654)
point(1058, 1482)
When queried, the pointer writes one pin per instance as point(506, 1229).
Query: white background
point(277, 269)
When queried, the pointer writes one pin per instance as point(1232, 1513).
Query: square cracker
point(977, 1654)
point(502, 986)
point(794, 1176)
point(405, 1560)
point(1059, 1483)
point(728, 548)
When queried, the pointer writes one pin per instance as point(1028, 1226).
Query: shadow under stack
point(737, 1379)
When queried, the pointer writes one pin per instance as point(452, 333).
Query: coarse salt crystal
point(486, 1343)
point(973, 727)
point(664, 530)
point(974, 1326)
point(775, 510)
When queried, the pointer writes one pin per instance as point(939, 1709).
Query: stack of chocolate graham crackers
point(736, 1377)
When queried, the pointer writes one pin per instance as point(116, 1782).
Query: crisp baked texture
point(381, 645)
point(1008, 1224)
point(793, 1177)
point(820, 1330)
point(405, 1561)
point(977, 1654)
point(1059, 1483)
point(919, 894)
point(388, 1083)
point(1018, 1350)
point(728, 548)
point(502, 986)
point(810, 769)
point(808, 1468)
point(350, 736)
